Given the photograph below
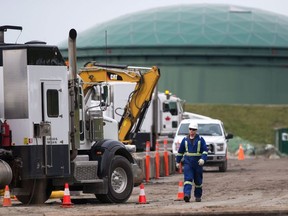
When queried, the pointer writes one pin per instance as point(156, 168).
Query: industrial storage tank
point(207, 53)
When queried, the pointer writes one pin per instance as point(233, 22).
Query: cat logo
point(113, 76)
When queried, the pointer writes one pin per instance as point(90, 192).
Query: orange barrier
point(180, 195)
point(66, 198)
point(147, 167)
point(166, 158)
point(240, 153)
point(142, 196)
point(157, 162)
point(7, 198)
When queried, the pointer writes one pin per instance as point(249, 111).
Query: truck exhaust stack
point(72, 54)
point(74, 95)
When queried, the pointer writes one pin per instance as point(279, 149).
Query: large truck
point(51, 133)
point(161, 118)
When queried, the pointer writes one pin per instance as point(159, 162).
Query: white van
point(212, 130)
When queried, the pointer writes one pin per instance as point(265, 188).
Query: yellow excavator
point(146, 80)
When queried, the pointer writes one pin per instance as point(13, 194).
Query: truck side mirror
point(229, 136)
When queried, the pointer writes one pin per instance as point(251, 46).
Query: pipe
point(74, 95)
point(5, 174)
point(72, 54)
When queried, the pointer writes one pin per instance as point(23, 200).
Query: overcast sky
point(51, 20)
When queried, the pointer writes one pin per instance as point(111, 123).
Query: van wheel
point(120, 181)
point(223, 166)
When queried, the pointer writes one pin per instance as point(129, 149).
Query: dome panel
point(164, 26)
point(145, 39)
point(141, 26)
point(191, 25)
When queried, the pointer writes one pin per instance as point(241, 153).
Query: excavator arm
point(139, 99)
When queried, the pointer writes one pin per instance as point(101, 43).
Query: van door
point(55, 146)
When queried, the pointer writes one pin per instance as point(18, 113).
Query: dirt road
point(255, 186)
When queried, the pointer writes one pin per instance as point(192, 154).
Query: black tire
point(223, 166)
point(39, 191)
point(120, 181)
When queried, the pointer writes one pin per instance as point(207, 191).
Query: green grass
point(254, 123)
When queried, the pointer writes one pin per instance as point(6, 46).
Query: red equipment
point(5, 134)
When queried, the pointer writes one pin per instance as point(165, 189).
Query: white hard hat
point(193, 125)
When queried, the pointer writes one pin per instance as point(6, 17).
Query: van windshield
point(209, 129)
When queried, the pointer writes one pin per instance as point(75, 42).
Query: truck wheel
point(120, 181)
point(38, 191)
point(223, 166)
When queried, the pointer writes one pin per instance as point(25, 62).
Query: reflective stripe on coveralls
point(193, 154)
point(189, 182)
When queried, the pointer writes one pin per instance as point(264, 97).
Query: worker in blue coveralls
point(194, 149)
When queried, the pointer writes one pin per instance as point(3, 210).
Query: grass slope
point(254, 123)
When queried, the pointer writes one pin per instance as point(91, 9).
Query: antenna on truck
point(106, 49)
point(5, 28)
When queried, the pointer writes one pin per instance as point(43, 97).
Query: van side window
point(52, 103)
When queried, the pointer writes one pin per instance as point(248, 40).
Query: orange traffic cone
point(7, 197)
point(240, 153)
point(66, 198)
point(142, 197)
point(180, 195)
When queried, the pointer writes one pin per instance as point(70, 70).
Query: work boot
point(187, 198)
point(198, 199)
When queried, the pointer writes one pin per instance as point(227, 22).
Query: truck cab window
point(52, 103)
point(165, 107)
point(170, 107)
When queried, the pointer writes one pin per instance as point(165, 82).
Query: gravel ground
point(254, 186)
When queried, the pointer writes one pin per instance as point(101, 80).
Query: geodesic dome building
point(207, 53)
